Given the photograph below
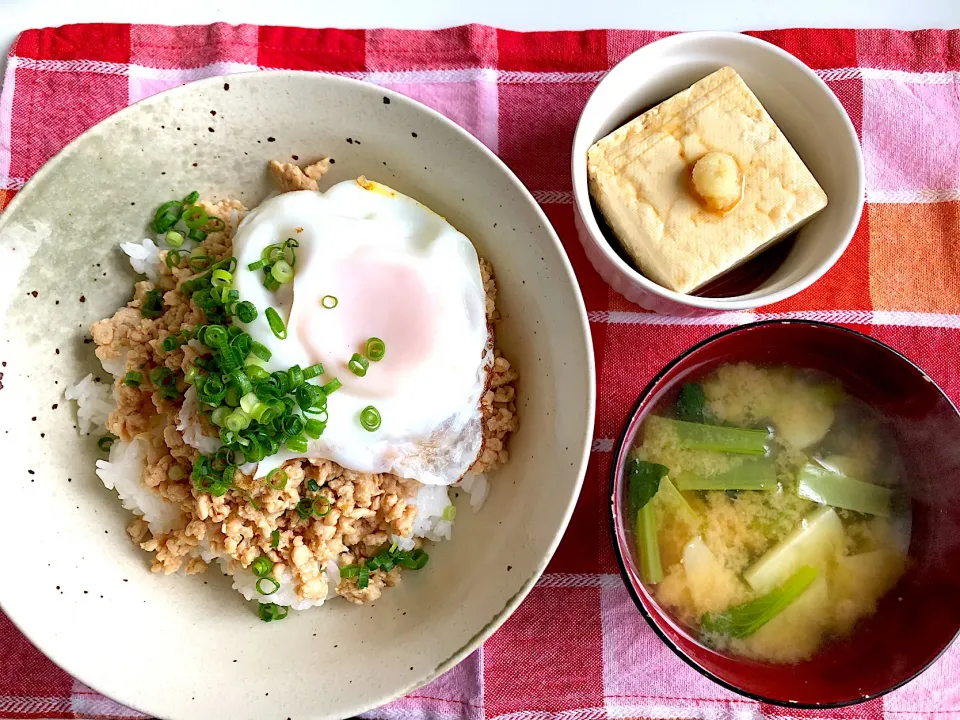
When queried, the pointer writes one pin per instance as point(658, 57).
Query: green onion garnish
point(350, 571)
point(191, 198)
point(106, 442)
point(312, 371)
point(370, 418)
point(329, 302)
point(363, 577)
point(276, 324)
point(449, 513)
point(314, 428)
point(297, 444)
point(152, 306)
point(220, 278)
point(277, 478)
point(324, 506)
point(172, 259)
point(194, 217)
point(269, 612)
point(246, 312)
point(271, 581)
point(305, 508)
point(197, 234)
point(375, 349)
point(312, 485)
point(133, 379)
point(198, 262)
point(282, 272)
point(173, 239)
point(256, 265)
point(275, 539)
point(331, 387)
point(262, 566)
point(358, 365)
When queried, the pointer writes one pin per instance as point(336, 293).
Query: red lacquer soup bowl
point(917, 620)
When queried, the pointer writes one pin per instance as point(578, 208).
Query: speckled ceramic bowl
point(190, 647)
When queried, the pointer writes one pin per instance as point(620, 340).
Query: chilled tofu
point(701, 183)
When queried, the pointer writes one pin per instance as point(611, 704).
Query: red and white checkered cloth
point(582, 648)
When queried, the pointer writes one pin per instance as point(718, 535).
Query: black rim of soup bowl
point(619, 553)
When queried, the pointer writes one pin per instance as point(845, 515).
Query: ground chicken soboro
point(365, 509)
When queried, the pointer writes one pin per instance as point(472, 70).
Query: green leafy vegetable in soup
point(766, 510)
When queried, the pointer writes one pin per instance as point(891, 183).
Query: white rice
point(431, 502)
point(95, 402)
point(477, 487)
point(245, 582)
point(123, 472)
point(190, 426)
point(144, 257)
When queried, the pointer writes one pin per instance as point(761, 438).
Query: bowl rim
point(618, 551)
point(581, 192)
point(500, 616)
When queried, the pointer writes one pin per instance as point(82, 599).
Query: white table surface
point(17, 15)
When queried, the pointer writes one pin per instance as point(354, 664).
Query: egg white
point(400, 273)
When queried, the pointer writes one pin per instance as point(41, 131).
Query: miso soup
point(767, 511)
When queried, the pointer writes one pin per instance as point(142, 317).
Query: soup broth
point(767, 511)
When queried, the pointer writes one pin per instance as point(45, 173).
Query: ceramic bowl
point(919, 618)
point(190, 647)
point(804, 108)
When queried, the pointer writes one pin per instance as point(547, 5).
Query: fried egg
point(398, 272)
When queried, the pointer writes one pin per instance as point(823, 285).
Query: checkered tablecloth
point(577, 647)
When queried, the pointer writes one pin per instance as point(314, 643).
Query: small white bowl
point(801, 104)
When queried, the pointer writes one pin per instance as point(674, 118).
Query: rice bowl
point(67, 252)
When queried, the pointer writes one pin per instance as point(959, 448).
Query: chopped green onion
point(294, 377)
point(198, 262)
point(106, 442)
point(305, 508)
point(170, 343)
point(262, 566)
point(312, 485)
point(192, 375)
point(276, 324)
point(219, 416)
point(246, 312)
point(256, 265)
point(197, 234)
point(331, 387)
point(312, 371)
point(194, 217)
point(329, 302)
point(152, 305)
point(358, 365)
point(269, 612)
point(375, 349)
point(220, 278)
point(167, 215)
point(297, 444)
point(324, 506)
point(370, 418)
point(261, 351)
point(350, 571)
point(173, 239)
point(133, 379)
point(277, 478)
point(275, 539)
point(449, 513)
point(314, 428)
point(191, 198)
point(363, 577)
point(172, 259)
point(237, 420)
point(282, 272)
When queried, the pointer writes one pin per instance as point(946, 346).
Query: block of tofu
point(701, 183)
